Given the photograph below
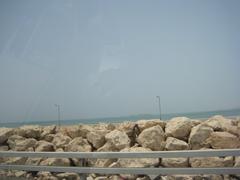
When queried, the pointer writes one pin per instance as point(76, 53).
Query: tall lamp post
point(159, 106)
point(58, 109)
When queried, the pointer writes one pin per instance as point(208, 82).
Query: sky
point(112, 58)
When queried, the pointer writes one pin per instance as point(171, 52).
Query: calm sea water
point(195, 115)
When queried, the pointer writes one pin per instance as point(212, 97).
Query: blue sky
point(111, 58)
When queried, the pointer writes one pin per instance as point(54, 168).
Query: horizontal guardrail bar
point(149, 171)
point(110, 155)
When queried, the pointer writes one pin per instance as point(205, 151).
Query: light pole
point(58, 109)
point(159, 106)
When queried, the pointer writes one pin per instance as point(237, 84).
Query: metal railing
point(124, 170)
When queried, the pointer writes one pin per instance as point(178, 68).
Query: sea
point(233, 113)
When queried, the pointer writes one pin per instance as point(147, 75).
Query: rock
point(45, 176)
point(18, 143)
point(97, 138)
point(198, 136)
point(118, 139)
point(223, 140)
point(104, 162)
point(144, 124)
point(47, 130)
point(175, 144)
point(85, 129)
point(20, 174)
point(68, 176)
point(152, 138)
point(211, 162)
point(175, 162)
point(55, 162)
point(72, 131)
point(4, 134)
point(107, 147)
point(60, 140)
point(29, 131)
point(237, 161)
point(104, 126)
point(48, 137)
point(178, 127)
point(33, 161)
point(137, 162)
point(16, 160)
point(44, 146)
point(102, 178)
point(219, 123)
point(3, 148)
point(126, 127)
point(79, 145)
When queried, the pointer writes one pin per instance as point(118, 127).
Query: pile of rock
point(178, 133)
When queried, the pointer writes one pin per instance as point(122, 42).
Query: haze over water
point(112, 58)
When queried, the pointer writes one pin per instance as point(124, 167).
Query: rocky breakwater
point(179, 133)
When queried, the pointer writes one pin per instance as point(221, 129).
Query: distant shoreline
point(233, 113)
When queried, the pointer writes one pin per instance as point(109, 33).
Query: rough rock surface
point(118, 139)
point(55, 162)
point(97, 138)
point(79, 145)
point(138, 162)
point(198, 136)
point(178, 127)
point(60, 140)
point(144, 124)
point(175, 144)
point(4, 134)
point(152, 138)
point(211, 162)
point(223, 140)
point(29, 131)
point(44, 146)
point(174, 162)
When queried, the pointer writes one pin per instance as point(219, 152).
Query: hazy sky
point(111, 58)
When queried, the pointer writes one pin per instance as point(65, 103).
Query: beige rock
point(45, 176)
point(60, 140)
point(97, 138)
point(223, 140)
point(33, 161)
point(237, 161)
point(29, 131)
point(219, 123)
point(72, 131)
point(85, 129)
point(107, 147)
point(118, 139)
point(102, 178)
point(137, 162)
point(175, 162)
point(20, 174)
point(3, 148)
point(152, 138)
point(175, 144)
point(49, 137)
point(5, 133)
point(55, 162)
point(211, 162)
point(126, 127)
point(198, 136)
point(47, 130)
point(178, 127)
point(68, 176)
point(79, 144)
point(16, 160)
point(104, 126)
point(18, 143)
point(104, 162)
point(44, 146)
point(144, 124)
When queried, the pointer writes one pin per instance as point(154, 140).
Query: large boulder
point(199, 162)
point(55, 162)
point(78, 145)
point(16, 160)
point(219, 123)
point(179, 127)
point(126, 127)
point(137, 162)
point(144, 124)
point(29, 131)
point(107, 147)
point(97, 138)
point(44, 146)
point(4, 134)
point(118, 139)
point(223, 140)
point(33, 161)
point(237, 161)
point(60, 140)
point(67, 176)
point(43, 175)
point(152, 138)
point(18, 143)
point(47, 130)
point(174, 162)
point(175, 144)
point(198, 136)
